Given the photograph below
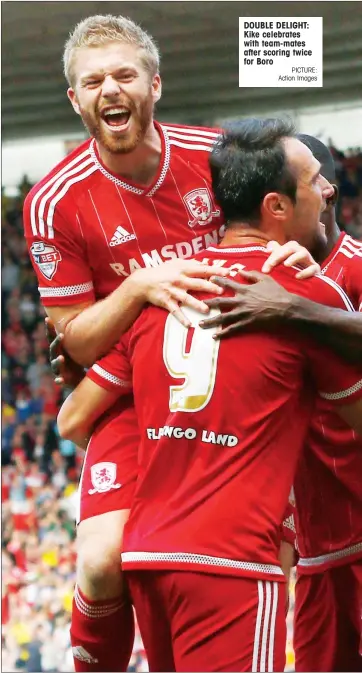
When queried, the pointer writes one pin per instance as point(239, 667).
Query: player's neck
point(333, 233)
point(140, 165)
point(243, 236)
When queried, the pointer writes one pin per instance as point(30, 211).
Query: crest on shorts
point(103, 476)
point(200, 206)
point(46, 257)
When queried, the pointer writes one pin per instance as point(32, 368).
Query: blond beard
point(126, 144)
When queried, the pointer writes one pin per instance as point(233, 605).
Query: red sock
point(101, 633)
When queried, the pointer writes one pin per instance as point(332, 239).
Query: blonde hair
point(99, 30)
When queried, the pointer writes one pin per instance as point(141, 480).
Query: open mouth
point(116, 118)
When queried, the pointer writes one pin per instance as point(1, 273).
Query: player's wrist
point(136, 286)
point(297, 309)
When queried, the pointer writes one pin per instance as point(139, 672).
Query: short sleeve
point(57, 251)
point(113, 371)
point(336, 381)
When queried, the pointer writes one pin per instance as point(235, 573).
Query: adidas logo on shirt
point(289, 523)
point(121, 236)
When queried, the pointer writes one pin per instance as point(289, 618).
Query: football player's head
point(264, 177)
point(112, 68)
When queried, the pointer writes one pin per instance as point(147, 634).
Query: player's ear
point(334, 198)
point(276, 205)
point(73, 99)
point(156, 87)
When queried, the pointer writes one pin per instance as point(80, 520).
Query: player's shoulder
point(319, 288)
point(349, 246)
point(355, 256)
point(354, 262)
point(195, 141)
point(189, 129)
point(344, 249)
point(74, 164)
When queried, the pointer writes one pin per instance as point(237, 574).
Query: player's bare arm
point(265, 302)
point(81, 410)
point(90, 330)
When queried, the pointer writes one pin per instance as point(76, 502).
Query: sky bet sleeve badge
point(46, 257)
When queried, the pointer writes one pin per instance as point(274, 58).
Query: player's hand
point(291, 254)
point(66, 371)
point(169, 284)
point(263, 301)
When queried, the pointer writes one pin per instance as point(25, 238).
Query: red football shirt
point(353, 278)
point(338, 264)
point(329, 506)
point(87, 230)
point(222, 425)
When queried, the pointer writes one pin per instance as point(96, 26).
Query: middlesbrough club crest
point(46, 257)
point(103, 476)
point(200, 206)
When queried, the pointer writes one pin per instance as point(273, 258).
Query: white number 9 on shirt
point(197, 367)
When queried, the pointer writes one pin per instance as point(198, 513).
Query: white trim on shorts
point(263, 654)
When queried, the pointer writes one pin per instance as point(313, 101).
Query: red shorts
point(327, 620)
point(110, 467)
point(199, 622)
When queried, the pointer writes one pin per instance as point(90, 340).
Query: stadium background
point(199, 46)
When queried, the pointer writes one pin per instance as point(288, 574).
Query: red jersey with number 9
point(222, 424)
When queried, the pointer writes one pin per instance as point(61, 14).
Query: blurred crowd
point(40, 470)
point(40, 473)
